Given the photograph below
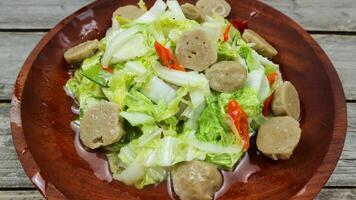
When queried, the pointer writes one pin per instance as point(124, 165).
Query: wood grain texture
point(21, 195)
point(11, 172)
point(319, 15)
point(14, 49)
point(341, 50)
point(12, 175)
point(36, 14)
point(337, 194)
point(325, 194)
point(312, 15)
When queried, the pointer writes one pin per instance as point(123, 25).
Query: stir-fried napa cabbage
point(169, 116)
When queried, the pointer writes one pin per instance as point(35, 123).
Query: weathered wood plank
point(12, 175)
point(21, 195)
point(339, 194)
point(313, 15)
point(36, 14)
point(319, 15)
point(345, 172)
point(341, 50)
point(14, 49)
point(325, 194)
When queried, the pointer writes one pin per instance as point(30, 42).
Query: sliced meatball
point(195, 51)
point(193, 13)
point(278, 137)
point(196, 180)
point(101, 126)
point(226, 76)
point(211, 7)
point(77, 54)
point(261, 45)
point(286, 101)
point(129, 12)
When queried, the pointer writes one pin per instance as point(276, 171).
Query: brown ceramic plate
point(41, 114)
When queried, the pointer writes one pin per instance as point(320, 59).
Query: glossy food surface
point(41, 113)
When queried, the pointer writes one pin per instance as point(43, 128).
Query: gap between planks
point(27, 30)
point(331, 32)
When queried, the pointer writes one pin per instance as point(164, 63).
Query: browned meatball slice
point(193, 13)
point(286, 101)
point(278, 137)
point(196, 180)
point(77, 54)
point(261, 45)
point(130, 12)
point(211, 7)
point(226, 76)
point(100, 125)
point(195, 50)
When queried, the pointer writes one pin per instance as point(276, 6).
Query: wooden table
point(23, 22)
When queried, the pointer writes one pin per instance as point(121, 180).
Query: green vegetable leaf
point(73, 84)
point(257, 121)
point(85, 91)
point(226, 52)
point(164, 111)
point(259, 82)
point(142, 5)
point(248, 100)
point(246, 53)
point(170, 126)
point(131, 134)
point(134, 47)
point(225, 160)
point(153, 175)
point(91, 69)
point(137, 102)
point(119, 86)
point(137, 118)
point(213, 126)
point(173, 28)
point(122, 20)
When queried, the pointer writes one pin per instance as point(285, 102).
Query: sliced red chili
point(226, 33)
point(267, 106)
point(272, 78)
point(240, 120)
point(167, 57)
point(241, 25)
point(108, 69)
